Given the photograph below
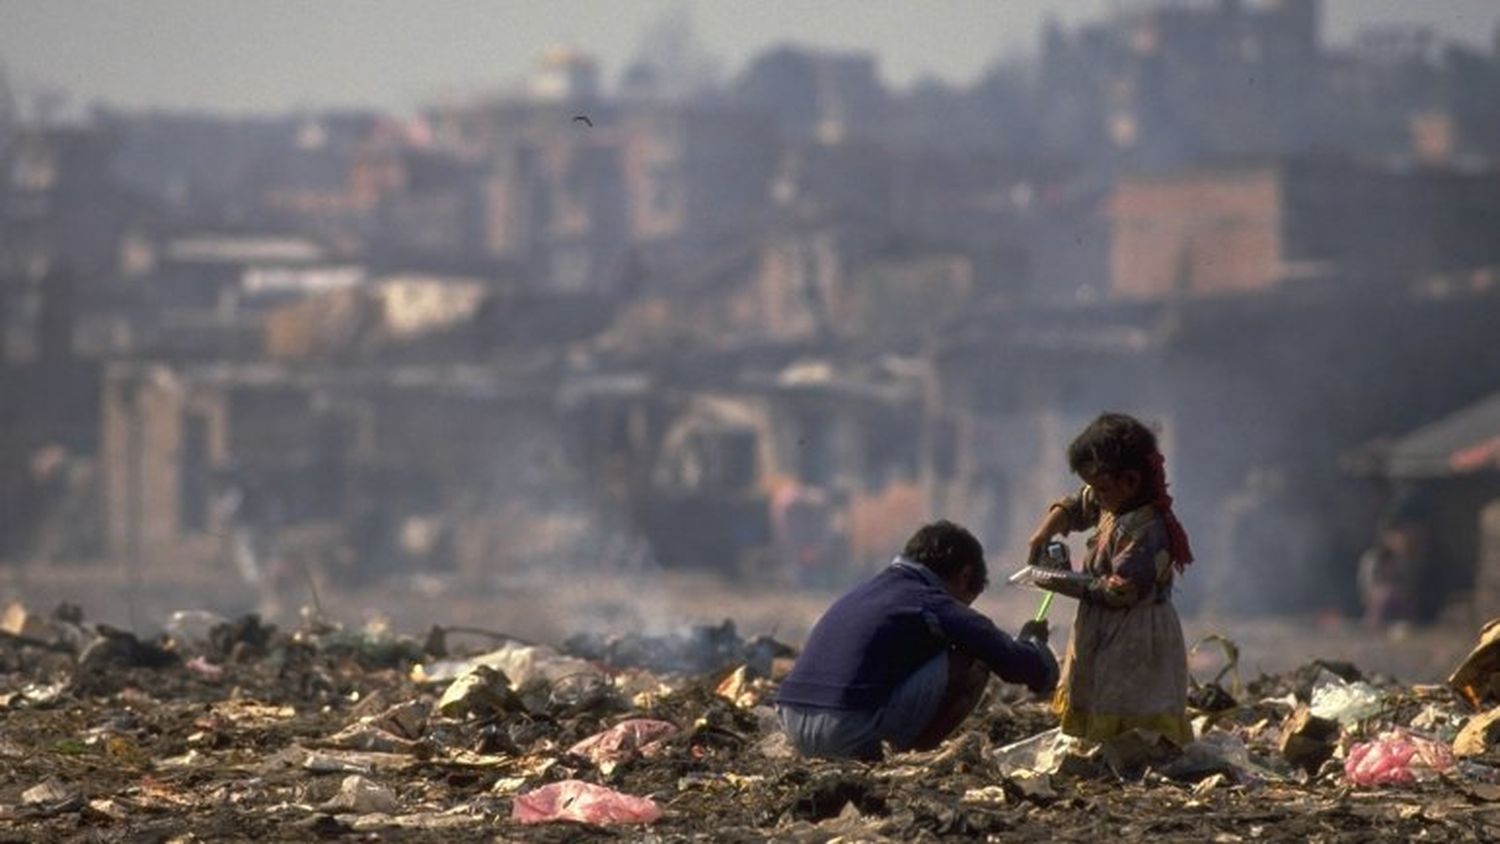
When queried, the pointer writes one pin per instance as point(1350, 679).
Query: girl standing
point(1126, 664)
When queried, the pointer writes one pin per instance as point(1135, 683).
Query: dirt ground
point(328, 732)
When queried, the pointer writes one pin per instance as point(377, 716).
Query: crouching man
point(903, 659)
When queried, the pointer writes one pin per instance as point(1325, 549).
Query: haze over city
point(877, 421)
point(224, 55)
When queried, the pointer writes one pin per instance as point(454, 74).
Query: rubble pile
point(234, 730)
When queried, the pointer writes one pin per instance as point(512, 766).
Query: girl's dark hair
point(1111, 444)
point(945, 548)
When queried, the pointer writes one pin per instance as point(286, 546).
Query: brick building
point(1253, 227)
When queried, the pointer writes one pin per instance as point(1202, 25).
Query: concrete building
point(698, 176)
point(1160, 84)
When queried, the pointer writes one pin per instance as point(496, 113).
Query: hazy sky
point(264, 55)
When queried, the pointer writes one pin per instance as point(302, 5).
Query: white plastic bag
point(1346, 703)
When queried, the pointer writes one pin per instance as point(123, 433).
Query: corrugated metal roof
point(1464, 442)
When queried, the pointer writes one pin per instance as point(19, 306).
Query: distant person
point(1126, 665)
point(903, 659)
point(1390, 574)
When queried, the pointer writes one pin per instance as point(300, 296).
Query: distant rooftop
point(1461, 443)
point(238, 249)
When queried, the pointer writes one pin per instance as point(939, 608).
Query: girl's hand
point(1035, 544)
point(1051, 525)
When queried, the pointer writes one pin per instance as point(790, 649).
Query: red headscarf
point(1177, 539)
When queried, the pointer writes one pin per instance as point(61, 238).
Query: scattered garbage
point(1442, 721)
point(1212, 696)
point(1131, 752)
point(481, 691)
point(205, 669)
point(1214, 753)
point(1477, 677)
point(244, 638)
point(636, 737)
point(51, 792)
point(1307, 740)
point(1337, 699)
point(397, 729)
point(1478, 735)
point(741, 688)
point(190, 629)
point(1032, 785)
point(1050, 752)
point(989, 794)
point(323, 731)
point(1397, 757)
point(518, 662)
point(581, 802)
point(359, 796)
point(374, 646)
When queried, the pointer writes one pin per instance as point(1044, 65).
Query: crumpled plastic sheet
point(519, 663)
point(1346, 703)
point(581, 802)
point(1397, 757)
point(1043, 752)
point(1218, 752)
point(624, 740)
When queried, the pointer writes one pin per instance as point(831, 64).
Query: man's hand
point(1035, 634)
point(1035, 629)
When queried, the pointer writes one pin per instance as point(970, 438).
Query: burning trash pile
point(235, 730)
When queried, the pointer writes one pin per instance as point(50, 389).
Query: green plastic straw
point(1041, 611)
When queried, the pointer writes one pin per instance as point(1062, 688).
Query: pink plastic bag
point(581, 802)
point(624, 740)
point(1397, 758)
point(205, 669)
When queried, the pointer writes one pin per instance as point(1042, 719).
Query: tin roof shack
point(804, 284)
point(698, 470)
point(395, 309)
point(210, 271)
point(194, 455)
point(204, 296)
point(1287, 381)
point(848, 433)
point(1251, 228)
point(1446, 476)
point(705, 507)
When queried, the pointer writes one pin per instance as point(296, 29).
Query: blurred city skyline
point(275, 56)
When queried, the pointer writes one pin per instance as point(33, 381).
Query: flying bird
point(584, 119)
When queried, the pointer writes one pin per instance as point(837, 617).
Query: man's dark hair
point(945, 548)
point(1112, 444)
